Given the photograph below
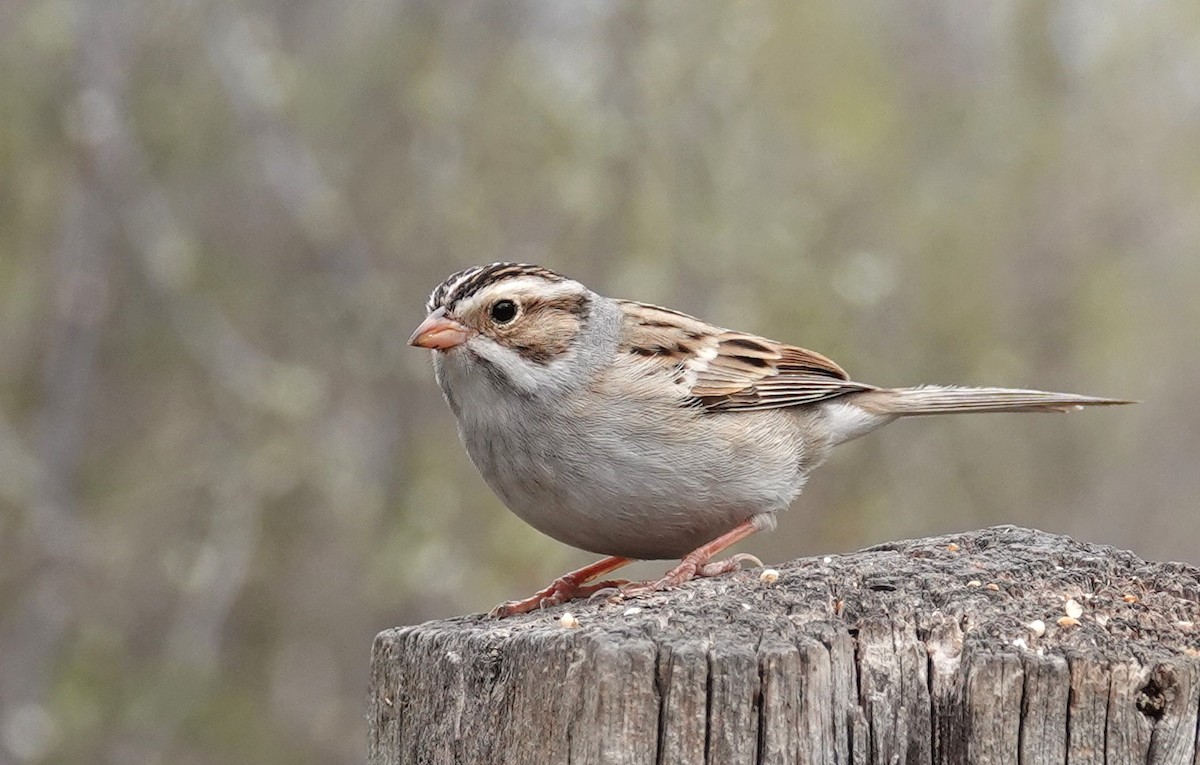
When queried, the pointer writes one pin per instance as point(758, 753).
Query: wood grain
point(923, 651)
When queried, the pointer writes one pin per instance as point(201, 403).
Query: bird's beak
point(439, 333)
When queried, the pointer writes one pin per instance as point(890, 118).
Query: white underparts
point(764, 521)
point(848, 421)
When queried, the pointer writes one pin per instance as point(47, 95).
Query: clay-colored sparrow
point(639, 432)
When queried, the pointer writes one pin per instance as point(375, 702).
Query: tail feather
point(937, 399)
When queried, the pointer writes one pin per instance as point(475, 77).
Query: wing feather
point(726, 370)
point(750, 373)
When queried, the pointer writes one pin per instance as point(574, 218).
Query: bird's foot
point(727, 565)
point(566, 587)
point(691, 568)
point(557, 593)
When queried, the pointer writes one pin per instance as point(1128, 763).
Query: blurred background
point(222, 471)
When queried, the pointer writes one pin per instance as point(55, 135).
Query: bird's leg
point(699, 561)
point(566, 587)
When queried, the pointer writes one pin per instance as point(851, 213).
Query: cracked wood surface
point(923, 651)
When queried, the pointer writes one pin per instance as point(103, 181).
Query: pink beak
point(439, 333)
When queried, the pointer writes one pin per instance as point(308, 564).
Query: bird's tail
point(938, 399)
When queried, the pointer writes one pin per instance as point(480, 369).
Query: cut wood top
point(992, 586)
point(992, 646)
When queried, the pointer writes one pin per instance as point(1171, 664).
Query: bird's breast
point(629, 478)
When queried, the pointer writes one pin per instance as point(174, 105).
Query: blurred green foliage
point(222, 471)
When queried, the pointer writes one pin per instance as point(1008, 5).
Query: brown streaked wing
point(655, 332)
point(750, 372)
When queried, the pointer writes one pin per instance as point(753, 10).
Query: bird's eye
point(503, 311)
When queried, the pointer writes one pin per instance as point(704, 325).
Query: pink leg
point(699, 561)
point(566, 587)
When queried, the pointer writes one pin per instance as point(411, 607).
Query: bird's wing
point(725, 370)
point(749, 372)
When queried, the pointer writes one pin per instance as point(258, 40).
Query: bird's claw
point(688, 570)
point(556, 594)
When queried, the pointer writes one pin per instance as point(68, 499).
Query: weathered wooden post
point(999, 646)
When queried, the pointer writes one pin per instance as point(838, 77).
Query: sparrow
point(638, 432)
